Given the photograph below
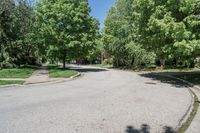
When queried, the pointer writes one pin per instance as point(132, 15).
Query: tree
point(95, 53)
point(168, 28)
point(67, 27)
point(18, 45)
point(6, 19)
point(118, 30)
point(161, 27)
point(24, 47)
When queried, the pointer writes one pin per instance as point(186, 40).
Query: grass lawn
point(16, 73)
point(191, 74)
point(60, 73)
point(9, 82)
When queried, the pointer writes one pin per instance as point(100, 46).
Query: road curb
point(58, 80)
point(190, 109)
point(76, 76)
point(13, 85)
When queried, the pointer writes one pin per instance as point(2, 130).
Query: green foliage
point(7, 64)
point(118, 31)
point(68, 28)
point(136, 33)
point(57, 30)
point(95, 53)
point(107, 61)
point(17, 42)
point(139, 56)
point(167, 30)
point(6, 19)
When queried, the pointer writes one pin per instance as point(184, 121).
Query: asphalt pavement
point(100, 101)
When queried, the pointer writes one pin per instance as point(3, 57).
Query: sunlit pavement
point(101, 101)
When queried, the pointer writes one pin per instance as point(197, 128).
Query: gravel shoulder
point(109, 101)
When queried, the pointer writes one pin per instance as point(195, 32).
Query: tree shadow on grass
point(164, 79)
point(193, 77)
point(146, 129)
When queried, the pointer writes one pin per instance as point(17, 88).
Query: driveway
point(101, 101)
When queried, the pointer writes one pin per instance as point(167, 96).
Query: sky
point(100, 8)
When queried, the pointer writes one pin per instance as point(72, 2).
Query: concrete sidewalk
point(39, 76)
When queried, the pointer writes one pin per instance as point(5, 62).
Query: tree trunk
point(64, 61)
point(177, 62)
point(162, 62)
point(1, 64)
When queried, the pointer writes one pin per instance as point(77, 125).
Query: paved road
point(102, 101)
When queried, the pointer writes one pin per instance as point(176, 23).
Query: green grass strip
point(60, 73)
point(16, 73)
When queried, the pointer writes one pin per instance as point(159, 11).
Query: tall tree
point(161, 27)
point(120, 37)
point(6, 21)
point(67, 27)
point(24, 48)
point(17, 32)
point(118, 30)
point(169, 28)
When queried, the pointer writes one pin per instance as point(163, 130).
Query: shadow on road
point(167, 129)
point(146, 129)
point(164, 79)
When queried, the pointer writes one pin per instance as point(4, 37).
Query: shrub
point(108, 61)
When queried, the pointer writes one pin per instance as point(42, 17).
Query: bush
point(6, 64)
point(138, 56)
point(149, 59)
point(108, 61)
point(197, 62)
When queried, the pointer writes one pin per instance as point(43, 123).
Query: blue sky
point(100, 8)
